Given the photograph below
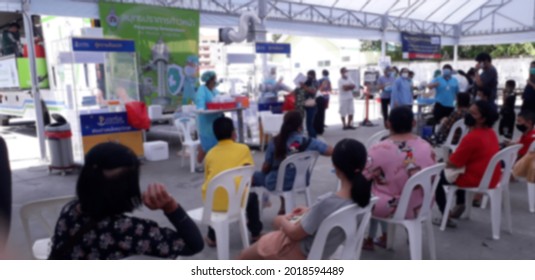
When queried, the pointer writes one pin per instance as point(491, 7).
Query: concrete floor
point(471, 240)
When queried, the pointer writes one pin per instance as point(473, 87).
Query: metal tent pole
point(28, 29)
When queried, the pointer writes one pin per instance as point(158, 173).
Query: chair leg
point(391, 236)
point(531, 197)
point(507, 209)
point(192, 159)
point(450, 195)
point(307, 197)
point(431, 240)
point(243, 231)
point(289, 201)
point(484, 202)
point(222, 238)
point(415, 240)
point(468, 204)
point(496, 212)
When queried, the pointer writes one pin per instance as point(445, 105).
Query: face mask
point(392, 74)
point(447, 72)
point(405, 75)
point(532, 71)
point(521, 127)
point(481, 65)
point(469, 120)
point(189, 71)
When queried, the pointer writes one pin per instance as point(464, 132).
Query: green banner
point(167, 45)
point(25, 80)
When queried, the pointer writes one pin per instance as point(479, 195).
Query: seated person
point(507, 113)
point(463, 103)
point(391, 163)
point(297, 230)
point(525, 124)
point(225, 155)
point(95, 225)
point(289, 141)
point(484, 94)
point(474, 154)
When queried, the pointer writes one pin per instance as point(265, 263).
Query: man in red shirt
point(473, 154)
point(524, 123)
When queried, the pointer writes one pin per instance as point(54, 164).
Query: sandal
point(381, 241)
point(457, 211)
point(450, 223)
point(367, 244)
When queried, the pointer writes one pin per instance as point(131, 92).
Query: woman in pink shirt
point(390, 164)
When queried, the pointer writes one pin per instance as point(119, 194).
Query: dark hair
point(292, 122)
point(487, 111)
point(510, 83)
point(395, 68)
point(528, 116)
point(463, 100)
point(350, 157)
point(447, 66)
point(343, 69)
point(223, 128)
point(311, 72)
point(108, 184)
point(310, 81)
point(325, 72)
point(411, 73)
point(461, 72)
point(482, 57)
point(401, 119)
point(471, 72)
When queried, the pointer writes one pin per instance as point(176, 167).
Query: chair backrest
point(456, 126)
point(228, 180)
point(303, 163)
point(532, 147)
point(45, 211)
point(271, 123)
point(426, 179)
point(507, 157)
point(377, 137)
point(353, 220)
point(186, 127)
point(188, 108)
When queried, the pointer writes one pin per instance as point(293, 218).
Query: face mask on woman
point(469, 120)
point(405, 75)
point(446, 72)
point(521, 127)
point(532, 71)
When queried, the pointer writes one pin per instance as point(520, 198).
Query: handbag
point(137, 115)
point(452, 174)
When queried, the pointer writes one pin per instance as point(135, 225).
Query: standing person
point(11, 40)
point(391, 163)
point(385, 84)
point(325, 89)
point(311, 108)
point(472, 88)
point(488, 78)
point(528, 97)
point(447, 88)
point(296, 231)
point(345, 99)
point(402, 91)
point(205, 94)
point(506, 126)
point(95, 225)
point(5, 194)
point(228, 154)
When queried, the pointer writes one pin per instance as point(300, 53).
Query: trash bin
point(58, 135)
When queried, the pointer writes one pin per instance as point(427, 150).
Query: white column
point(261, 34)
point(383, 46)
point(28, 30)
point(455, 55)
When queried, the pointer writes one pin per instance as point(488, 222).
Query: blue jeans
point(310, 115)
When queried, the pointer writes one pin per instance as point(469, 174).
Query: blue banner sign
point(273, 48)
point(102, 45)
point(420, 46)
point(104, 123)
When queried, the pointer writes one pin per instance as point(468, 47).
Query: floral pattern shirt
point(121, 236)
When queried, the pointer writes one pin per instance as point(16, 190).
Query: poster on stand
point(420, 46)
point(167, 44)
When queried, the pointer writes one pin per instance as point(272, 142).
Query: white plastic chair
point(46, 212)
point(303, 163)
point(530, 186)
point(354, 232)
point(237, 201)
point(497, 195)
point(448, 146)
point(271, 125)
point(426, 179)
point(186, 127)
point(377, 137)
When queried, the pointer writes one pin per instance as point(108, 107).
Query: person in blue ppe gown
point(191, 72)
point(205, 94)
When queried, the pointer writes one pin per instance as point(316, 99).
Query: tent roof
point(457, 21)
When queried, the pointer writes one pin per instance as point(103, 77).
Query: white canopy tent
point(458, 22)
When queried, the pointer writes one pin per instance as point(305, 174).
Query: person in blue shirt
point(446, 87)
point(401, 91)
point(205, 122)
point(385, 84)
point(289, 141)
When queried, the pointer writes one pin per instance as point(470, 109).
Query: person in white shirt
point(345, 88)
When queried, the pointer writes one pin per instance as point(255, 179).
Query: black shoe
point(351, 127)
point(345, 128)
